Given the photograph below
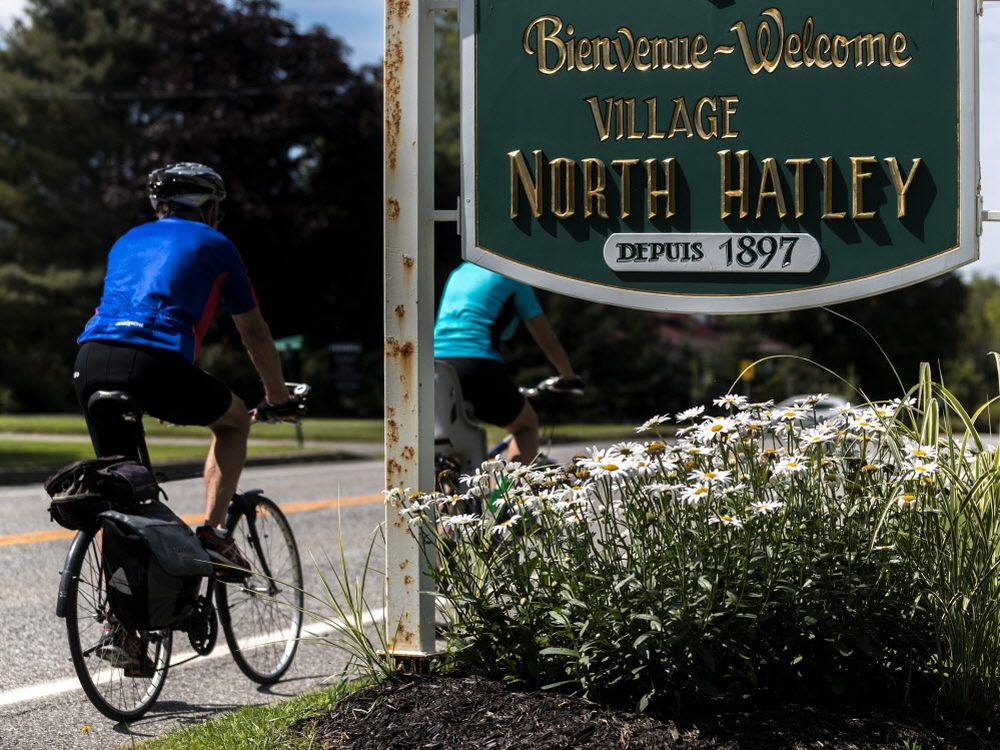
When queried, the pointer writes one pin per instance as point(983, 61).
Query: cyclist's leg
point(498, 401)
point(226, 457)
point(523, 445)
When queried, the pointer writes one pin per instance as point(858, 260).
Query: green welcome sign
point(720, 155)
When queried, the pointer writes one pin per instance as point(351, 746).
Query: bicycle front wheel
point(118, 693)
point(262, 616)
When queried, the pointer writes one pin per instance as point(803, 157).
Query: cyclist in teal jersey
point(479, 309)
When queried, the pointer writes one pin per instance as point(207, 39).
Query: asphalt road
point(41, 703)
point(42, 706)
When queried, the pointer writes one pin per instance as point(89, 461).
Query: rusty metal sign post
point(409, 313)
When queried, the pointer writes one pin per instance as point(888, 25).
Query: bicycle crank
point(203, 627)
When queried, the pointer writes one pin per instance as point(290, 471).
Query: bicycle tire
point(262, 616)
point(117, 696)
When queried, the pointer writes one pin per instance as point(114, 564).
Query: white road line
point(57, 687)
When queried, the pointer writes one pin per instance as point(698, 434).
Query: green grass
point(314, 428)
point(41, 455)
point(270, 727)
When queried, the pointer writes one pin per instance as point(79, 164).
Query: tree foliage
point(99, 93)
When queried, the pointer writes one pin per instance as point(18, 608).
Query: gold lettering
point(828, 212)
point(653, 193)
point(642, 53)
point(652, 133)
point(822, 40)
point(632, 133)
point(858, 176)
point(729, 105)
point(902, 186)
point(743, 191)
point(563, 176)
point(519, 174)
point(624, 60)
point(770, 187)
point(793, 47)
point(601, 120)
point(584, 49)
point(625, 165)
point(799, 166)
point(619, 119)
point(761, 61)
point(680, 114)
point(546, 29)
point(594, 182)
point(700, 119)
point(840, 51)
point(699, 50)
point(896, 50)
point(869, 46)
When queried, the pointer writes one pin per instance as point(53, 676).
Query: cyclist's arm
point(547, 341)
point(256, 337)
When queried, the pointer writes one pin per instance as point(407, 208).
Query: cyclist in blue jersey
point(163, 283)
point(479, 309)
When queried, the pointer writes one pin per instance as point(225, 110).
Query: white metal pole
point(409, 314)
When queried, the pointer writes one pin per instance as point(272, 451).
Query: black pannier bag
point(152, 566)
point(84, 489)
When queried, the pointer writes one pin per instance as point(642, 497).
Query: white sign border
point(969, 213)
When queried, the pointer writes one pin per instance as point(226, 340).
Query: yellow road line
point(305, 506)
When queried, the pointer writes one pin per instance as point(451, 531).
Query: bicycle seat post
point(115, 421)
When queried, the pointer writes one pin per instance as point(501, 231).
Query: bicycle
point(460, 441)
point(261, 615)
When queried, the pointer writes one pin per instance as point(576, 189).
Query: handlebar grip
point(557, 384)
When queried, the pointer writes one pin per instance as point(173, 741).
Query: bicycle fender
point(80, 540)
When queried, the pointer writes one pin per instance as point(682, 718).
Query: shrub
point(753, 555)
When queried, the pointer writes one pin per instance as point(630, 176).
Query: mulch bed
point(441, 713)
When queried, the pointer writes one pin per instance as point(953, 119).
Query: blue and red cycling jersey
point(163, 284)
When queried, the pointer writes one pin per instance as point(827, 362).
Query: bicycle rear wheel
point(262, 617)
point(114, 693)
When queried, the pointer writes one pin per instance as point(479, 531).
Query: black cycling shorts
point(166, 385)
point(486, 385)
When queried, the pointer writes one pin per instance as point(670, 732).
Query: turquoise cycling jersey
point(478, 310)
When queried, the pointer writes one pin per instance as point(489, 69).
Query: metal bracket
point(991, 215)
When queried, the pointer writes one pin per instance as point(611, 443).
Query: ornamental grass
point(756, 554)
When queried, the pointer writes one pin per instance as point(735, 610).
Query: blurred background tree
point(96, 93)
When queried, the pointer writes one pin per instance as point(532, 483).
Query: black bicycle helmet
point(185, 184)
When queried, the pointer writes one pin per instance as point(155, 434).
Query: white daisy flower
point(690, 414)
point(731, 401)
point(817, 435)
point(920, 452)
point(726, 520)
point(813, 399)
point(767, 507)
point(716, 426)
point(789, 465)
point(626, 450)
point(460, 521)
point(921, 470)
point(610, 469)
point(696, 494)
point(653, 422)
point(787, 414)
point(711, 476)
point(503, 528)
point(845, 410)
point(906, 501)
point(397, 496)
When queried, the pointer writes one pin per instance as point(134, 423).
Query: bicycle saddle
point(113, 405)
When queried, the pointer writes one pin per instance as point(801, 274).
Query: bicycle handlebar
point(290, 411)
point(556, 385)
